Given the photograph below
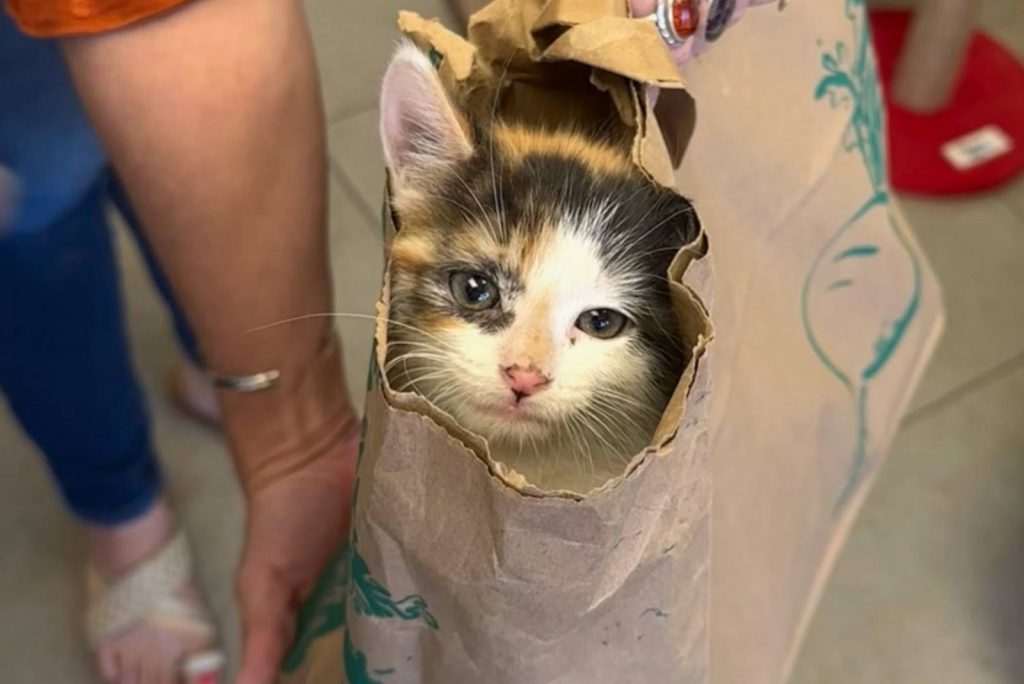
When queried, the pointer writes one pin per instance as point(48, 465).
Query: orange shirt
point(51, 18)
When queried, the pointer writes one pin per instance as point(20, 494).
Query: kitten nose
point(524, 381)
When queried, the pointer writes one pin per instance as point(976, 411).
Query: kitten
point(529, 297)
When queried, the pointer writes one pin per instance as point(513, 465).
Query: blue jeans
point(65, 366)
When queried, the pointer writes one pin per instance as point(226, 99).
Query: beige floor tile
point(356, 149)
point(1013, 195)
point(1003, 19)
point(353, 40)
point(41, 578)
point(976, 247)
point(928, 589)
point(358, 261)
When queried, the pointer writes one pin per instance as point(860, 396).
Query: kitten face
point(529, 297)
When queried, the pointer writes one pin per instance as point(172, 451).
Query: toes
point(146, 673)
point(164, 673)
point(131, 671)
point(106, 663)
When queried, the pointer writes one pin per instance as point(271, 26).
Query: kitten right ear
point(420, 128)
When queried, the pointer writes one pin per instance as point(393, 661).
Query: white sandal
point(148, 593)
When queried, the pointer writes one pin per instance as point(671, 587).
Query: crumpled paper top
point(585, 61)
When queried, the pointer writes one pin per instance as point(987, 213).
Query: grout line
point(973, 385)
point(1012, 207)
point(349, 112)
point(348, 187)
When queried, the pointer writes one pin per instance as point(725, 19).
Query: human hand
point(294, 524)
point(295, 447)
point(697, 43)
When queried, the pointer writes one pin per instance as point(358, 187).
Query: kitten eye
point(473, 291)
point(603, 324)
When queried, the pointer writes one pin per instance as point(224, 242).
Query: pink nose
point(524, 381)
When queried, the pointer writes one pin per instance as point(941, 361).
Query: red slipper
point(976, 142)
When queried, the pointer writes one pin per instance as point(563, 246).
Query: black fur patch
point(647, 225)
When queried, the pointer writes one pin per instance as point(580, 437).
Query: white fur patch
point(566, 281)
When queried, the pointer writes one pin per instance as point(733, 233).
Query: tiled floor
point(930, 588)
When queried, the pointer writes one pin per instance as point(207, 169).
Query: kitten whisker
point(342, 314)
point(404, 359)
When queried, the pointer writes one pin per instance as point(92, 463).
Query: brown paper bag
point(825, 315)
point(462, 571)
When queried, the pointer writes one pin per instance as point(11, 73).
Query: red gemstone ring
point(676, 20)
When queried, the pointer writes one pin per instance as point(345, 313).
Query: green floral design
point(371, 598)
point(856, 82)
point(851, 81)
point(324, 612)
point(357, 670)
point(366, 595)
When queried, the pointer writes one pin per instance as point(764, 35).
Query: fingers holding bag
point(689, 27)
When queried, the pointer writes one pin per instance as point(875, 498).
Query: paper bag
point(825, 313)
point(462, 571)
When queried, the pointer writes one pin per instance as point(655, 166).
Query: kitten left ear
point(421, 130)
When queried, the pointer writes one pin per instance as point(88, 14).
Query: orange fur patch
point(438, 323)
point(477, 242)
point(413, 249)
point(517, 142)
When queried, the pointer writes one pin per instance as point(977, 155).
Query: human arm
point(211, 116)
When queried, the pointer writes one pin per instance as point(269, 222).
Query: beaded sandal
point(148, 593)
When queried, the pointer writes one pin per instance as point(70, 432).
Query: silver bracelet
point(245, 383)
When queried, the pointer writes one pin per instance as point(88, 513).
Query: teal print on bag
point(371, 598)
point(323, 612)
point(367, 596)
point(867, 252)
point(356, 669)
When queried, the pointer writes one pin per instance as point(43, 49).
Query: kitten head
point(529, 296)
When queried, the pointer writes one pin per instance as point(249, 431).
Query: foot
point(194, 395)
point(146, 651)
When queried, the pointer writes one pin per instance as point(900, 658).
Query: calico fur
point(560, 222)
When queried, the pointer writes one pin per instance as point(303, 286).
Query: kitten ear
point(420, 128)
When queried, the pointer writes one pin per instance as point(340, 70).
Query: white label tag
point(977, 147)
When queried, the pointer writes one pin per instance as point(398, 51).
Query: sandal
point(148, 594)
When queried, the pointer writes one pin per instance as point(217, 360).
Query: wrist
point(302, 419)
